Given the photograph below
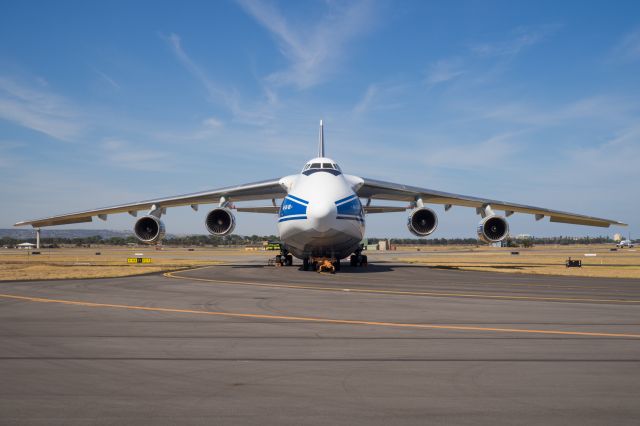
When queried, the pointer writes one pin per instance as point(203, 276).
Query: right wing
point(376, 189)
point(264, 190)
point(385, 209)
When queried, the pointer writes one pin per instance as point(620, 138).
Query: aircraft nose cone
point(321, 215)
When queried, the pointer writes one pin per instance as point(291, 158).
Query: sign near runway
point(138, 260)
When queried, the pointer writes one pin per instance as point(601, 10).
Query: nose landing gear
point(321, 264)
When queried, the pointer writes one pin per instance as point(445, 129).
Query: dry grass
point(111, 262)
point(84, 263)
point(623, 263)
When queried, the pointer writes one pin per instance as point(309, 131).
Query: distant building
point(26, 246)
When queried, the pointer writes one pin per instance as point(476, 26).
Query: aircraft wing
point(262, 209)
point(385, 209)
point(376, 189)
point(263, 190)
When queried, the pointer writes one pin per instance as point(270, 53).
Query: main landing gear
point(284, 259)
point(358, 259)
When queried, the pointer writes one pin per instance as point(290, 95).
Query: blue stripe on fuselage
point(345, 199)
point(351, 207)
point(293, 206)
point(299, 200)
point(292, 217)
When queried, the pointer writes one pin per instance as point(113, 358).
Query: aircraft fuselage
point(321, 215)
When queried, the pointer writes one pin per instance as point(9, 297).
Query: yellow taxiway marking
point(400, 292)
point(317, 320)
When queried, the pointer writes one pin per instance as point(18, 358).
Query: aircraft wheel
point(364, 261)
point(305, 264)
point(336, 264)
point(353, 260)
point(288, 260)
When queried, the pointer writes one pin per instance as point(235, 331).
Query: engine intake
point(149, 229)
point(492, 229)
point(220, 221)
point(422, 222)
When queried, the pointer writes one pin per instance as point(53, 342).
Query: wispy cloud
point(7, 158)
point(215, 93)
point(603, 172)
point(366, 100)
point(522, 38)
point(212, 123)
point(380, 97)
point(628, 48)
point(108, 79)
point(38, 109)
point(475, 59)
point(122, 153)
point(612, 158)
point(256, 114)
point(444, 70)
point(499, 148)
point(314, 51)
point(601, 108)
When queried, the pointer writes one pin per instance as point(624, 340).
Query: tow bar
point(325, 265)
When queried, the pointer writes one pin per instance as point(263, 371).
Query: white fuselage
point(321, 216)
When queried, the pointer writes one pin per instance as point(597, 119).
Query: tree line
point(187, 240)
point(247, 240)
point(509, 241)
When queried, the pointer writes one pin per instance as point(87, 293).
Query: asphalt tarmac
point(389, 344)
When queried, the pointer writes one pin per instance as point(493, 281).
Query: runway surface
point(390, 344)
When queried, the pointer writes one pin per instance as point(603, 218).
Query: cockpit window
point(327, 166)
point(335, 166)
point(315, 166)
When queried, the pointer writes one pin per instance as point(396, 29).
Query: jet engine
point(220, 221)
point(149, 229)
point(492, 229)
point(422, 222)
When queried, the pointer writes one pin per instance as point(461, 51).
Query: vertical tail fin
point(321, 141)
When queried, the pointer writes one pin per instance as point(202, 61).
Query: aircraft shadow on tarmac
point(371, 268)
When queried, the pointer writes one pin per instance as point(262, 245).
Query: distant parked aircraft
point(625, 243)
point(321, 214)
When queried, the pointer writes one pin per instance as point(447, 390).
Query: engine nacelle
point(422, 222)
point(149, 229)
point(492, 229)
point(220, 221)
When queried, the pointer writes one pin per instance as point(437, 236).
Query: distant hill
point(21, 234)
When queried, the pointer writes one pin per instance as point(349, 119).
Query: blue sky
point(531, 102)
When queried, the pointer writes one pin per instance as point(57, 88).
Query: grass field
point(66, 263)
point(548, 260)
point(112, 261)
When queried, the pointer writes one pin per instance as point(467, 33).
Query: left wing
point(376, 189)
point(263, 190)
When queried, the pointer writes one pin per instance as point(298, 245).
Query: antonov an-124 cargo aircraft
point(322, 214)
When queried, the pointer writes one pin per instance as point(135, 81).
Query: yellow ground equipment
point(325, 265)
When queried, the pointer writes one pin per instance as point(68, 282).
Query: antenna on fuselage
point(321, 141)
